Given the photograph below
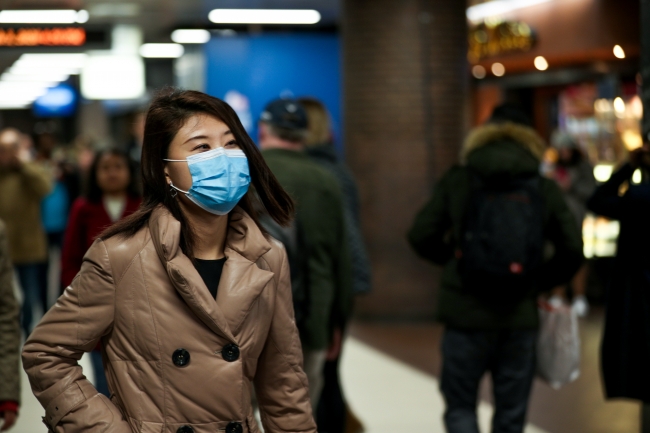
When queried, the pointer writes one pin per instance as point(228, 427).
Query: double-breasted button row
point(181, 357)
point(232, 427)
point(230, 352)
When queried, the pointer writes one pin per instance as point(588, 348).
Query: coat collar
point(241, 282)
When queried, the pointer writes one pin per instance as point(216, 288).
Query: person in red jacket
point(110, 196)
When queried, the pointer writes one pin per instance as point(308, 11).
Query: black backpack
point(294, 242)
point(502, 241)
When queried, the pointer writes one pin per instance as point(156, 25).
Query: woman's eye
point(232, 143)
point(202, 147)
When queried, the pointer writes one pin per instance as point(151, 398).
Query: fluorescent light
point(113, 76)
point(170, 51)
point(42, 76)
point(619, 52)
point(38, 62)
point(82, 16)
point(541, 63)
point(498, 69)
point(53, 16)
point(14, 106)
point(190, 36)
point(478, 71)
point(264, 16)
point(489, 9)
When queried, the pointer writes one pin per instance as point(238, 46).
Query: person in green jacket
point(492, 329)
point(320, 215)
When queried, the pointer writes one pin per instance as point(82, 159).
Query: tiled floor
point(389, 373)
point(413, 352)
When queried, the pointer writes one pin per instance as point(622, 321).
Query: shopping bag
point(558, 346)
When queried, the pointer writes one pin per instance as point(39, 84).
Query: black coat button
point(185, 429)
point(234, 427)
point(230, 352)
point(181, 358)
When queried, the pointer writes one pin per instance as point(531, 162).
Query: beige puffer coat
point(176, 360)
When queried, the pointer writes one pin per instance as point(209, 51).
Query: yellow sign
point(487, 40)
point(35, 37)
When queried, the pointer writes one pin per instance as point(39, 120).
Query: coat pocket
point(151, 427)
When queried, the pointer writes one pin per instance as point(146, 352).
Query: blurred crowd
point(505, 227)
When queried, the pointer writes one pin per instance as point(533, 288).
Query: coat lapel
point(241, 282)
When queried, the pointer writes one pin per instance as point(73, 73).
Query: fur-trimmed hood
point(492, 132)
point(503, 149)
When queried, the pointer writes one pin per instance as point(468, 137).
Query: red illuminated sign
point(43, 37)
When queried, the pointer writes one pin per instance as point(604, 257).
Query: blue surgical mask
point(220, 178)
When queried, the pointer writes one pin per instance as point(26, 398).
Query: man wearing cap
point(282, 131)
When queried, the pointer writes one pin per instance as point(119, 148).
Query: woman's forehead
point(204, 124)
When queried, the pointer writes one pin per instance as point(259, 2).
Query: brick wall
point(404, 116)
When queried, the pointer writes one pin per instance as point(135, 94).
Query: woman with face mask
point(189, 297)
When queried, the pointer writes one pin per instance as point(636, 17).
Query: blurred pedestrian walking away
point(333, 415)
point(111, 194)
point(487, 223)
point(575, 177)
point(625, 350)
point(190, 299)
point(22, 187)
point(320, 215)
point(9, 338)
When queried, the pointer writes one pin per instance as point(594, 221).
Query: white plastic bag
point(558, 347)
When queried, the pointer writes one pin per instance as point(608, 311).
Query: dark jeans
point(510, 358)
point(34, 293)
point(331, 412)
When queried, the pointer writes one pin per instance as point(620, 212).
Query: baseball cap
point(285, 113)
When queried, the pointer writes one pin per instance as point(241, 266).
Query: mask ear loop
point(174, 191)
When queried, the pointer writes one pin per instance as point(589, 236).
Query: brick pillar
point(405, 84)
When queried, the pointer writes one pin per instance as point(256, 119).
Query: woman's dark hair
point(168, 112)
point(93, 192)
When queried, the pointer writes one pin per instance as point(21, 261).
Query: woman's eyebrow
point(196, 137)
point(228, 132)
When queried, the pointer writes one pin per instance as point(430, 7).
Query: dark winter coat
point(325, 156)
point(494, 150)
point(320, 212)
point(626, 340)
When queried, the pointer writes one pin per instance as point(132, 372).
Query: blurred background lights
point(190, 36)
point(54, 16)
point(264, 16)
point(619, 105)
point(541, 63)
point(489, 9)
point(171, 51)
point(498, 69)
point(619, 52)
point(479, 72)
point(602, 172)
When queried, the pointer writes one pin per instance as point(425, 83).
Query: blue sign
point(248, 71)
point(59, 101)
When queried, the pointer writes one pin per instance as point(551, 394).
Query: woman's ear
point(167, 177)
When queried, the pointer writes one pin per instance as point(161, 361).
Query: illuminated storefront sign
point(42, 37)
point(493, 39)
